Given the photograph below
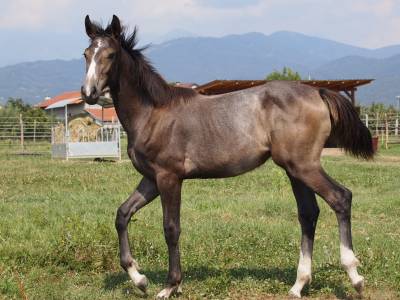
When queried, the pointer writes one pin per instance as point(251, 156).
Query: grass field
point(240, 236)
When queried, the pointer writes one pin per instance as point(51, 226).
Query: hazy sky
point(47, 29)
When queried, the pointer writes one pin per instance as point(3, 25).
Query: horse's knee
point(120, 220)
point(172, 232)
point(309, 218)
point(309, 215)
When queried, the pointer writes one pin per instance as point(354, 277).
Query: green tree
point(11, 111)
point(15, 107)
point(375, 108)
point(286, 74)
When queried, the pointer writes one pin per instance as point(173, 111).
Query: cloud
point(378, 8)
point(32, 14)
point(226, 4)
point(370, 23)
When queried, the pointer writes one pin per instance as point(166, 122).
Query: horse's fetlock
point(126, 263)
point(174, 278)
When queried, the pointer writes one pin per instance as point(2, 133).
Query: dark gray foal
point(175, 133)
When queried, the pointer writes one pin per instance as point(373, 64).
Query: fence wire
point(25, 134)
point(385, 126)
point(33, 135)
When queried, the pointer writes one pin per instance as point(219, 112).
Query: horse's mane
point(154, 89)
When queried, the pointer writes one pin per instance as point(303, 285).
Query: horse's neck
point(131, 110)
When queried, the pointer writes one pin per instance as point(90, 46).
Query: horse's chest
point(139, 162)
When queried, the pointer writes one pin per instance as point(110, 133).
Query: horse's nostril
point(93, 91)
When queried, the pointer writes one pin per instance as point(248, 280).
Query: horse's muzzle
point(92, 97)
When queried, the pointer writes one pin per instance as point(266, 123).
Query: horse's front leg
point(143, 195)
point(169, 186)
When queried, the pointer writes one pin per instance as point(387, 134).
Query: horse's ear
point(90, 28)
point(116, 27)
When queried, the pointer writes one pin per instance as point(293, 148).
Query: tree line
point(34, 120)
point(288, 74)
point(16, 107)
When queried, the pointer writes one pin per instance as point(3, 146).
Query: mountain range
point(244, 56)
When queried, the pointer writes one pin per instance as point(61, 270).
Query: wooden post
point(386, 132)
point(102, 123)
point(366, 120)
point(21, 125)
point(376, 124)
point(119, 141)
point(352, 95)
point(66, 139)
point(34, 131)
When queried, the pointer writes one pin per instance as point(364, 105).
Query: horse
point(175, 133)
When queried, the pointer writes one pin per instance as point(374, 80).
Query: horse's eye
point(84, 55)
point(111, 55)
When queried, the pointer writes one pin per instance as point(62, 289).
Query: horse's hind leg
point(308, 212)
point(144, 194)
point(339, 199)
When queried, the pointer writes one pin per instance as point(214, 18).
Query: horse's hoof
point(169, 292)
point(139, 280)
point(142, 283)
point(294, 293)
point(359, 285)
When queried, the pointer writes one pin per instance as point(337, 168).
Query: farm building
point(77, 107)
point(348, 87)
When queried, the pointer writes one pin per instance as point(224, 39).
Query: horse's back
point(230, 134)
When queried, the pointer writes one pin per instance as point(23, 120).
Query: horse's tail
point(347, 129)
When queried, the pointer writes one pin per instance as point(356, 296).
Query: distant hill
point(245, 56)
point(33, 81)
point(386, 71)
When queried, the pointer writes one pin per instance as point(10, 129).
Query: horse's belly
point(225, 165)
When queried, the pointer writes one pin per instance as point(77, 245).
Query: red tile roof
point(109, 114)
point(64, 96)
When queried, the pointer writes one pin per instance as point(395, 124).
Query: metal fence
point(29, 135)
point(104, 141)
point(383, 125)
point(25, 135)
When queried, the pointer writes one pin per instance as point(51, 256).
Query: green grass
point(240, 236)
point(393, 149)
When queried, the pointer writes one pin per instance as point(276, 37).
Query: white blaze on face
point(91, 77)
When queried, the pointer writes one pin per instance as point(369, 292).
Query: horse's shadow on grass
point(285, 275)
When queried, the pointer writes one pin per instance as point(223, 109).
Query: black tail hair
point(347, 129)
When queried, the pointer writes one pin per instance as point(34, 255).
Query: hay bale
point(81, 129)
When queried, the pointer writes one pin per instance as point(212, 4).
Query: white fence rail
point(104, 141)
point(31, 135)
point(24, 134)
point(383, 125)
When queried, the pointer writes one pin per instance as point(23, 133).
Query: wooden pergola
point(349, 87)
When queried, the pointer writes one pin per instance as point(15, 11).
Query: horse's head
point(101, 57)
